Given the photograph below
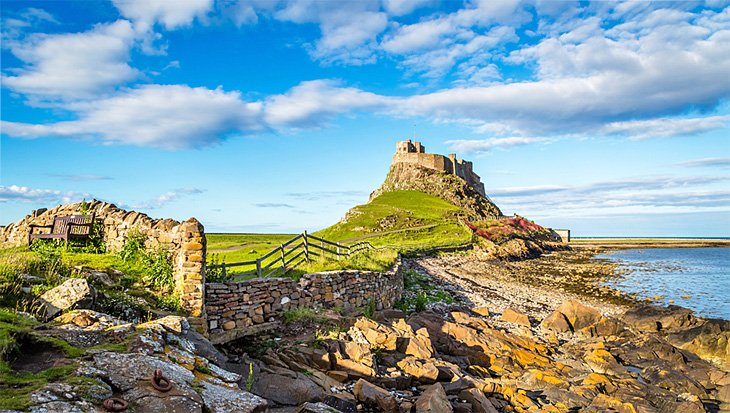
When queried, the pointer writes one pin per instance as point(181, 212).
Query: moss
point(16, 388)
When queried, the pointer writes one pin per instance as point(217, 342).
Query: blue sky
point(609, 118)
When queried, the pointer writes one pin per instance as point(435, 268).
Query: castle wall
point(236, 309)
point(449, 165)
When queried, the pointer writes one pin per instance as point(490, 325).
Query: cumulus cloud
point(348, 28)
point(313, 102)
point(73, 65)
point(161, 116)
point(15, 193)
point(170, 14)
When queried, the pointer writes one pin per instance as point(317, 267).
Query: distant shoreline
point(624, 243)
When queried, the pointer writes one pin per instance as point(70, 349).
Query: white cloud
point(164, 199)
point(171, 14)
point(311, 103)
point(348, 29)
point(73, 65)
point(479, 146)
point(647, 195)
point(664, 127)
point(707, 162)
point(403, 7)
point(15, 193)
point(162, 116)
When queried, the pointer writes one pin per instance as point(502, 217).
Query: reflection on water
point(696, 278)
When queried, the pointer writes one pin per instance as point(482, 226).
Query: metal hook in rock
point(115, 405)
point(160, 382)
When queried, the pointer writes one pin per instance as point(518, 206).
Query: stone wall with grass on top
point(237, 309)
point(185, 241)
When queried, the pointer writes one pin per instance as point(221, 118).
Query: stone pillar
point(189, 271)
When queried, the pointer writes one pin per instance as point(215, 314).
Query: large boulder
point(651, 318)
point(433, 400)
point(576, 315)
point(286, 387)
point(73, 293)
point(373, 395)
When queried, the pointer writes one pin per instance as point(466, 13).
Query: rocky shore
point(493, 336)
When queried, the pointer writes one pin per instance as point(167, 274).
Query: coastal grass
point(401, 219)
point(243, 247)
point(16, 387)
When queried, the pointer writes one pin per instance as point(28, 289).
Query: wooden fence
point(291, 254)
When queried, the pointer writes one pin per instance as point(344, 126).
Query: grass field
point(243, 247)
point(402, 219)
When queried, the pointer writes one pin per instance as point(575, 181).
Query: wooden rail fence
point(291, 254)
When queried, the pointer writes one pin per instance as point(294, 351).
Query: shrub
point(215, 271)
point(159, 269)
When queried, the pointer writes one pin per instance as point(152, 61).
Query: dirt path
point(377, 234)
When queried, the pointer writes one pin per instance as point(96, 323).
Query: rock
point(578, 315)
point(556, 322)
point(316, 408)
point(651, 318)
point(433, 400)
point(424, 371)
point(513, 316)
point(420, 345)
point(291, 389)
point(222, 399)
point(360, 353)
point(379, 336)
point(343, 402)
point(73, 293)
point(373, 395)
point(482, 311)
point(172, 323)
point(338, 375)
point(478, 401)
point(87, 320)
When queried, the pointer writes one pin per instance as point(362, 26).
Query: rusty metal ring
point(160, 382)
point(115, 405)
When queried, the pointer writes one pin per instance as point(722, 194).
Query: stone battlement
point(414, 153)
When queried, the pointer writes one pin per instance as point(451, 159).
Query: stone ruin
point(184, 240)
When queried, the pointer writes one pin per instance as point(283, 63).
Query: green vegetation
point(243, 247)
point(300, 314)
point(419, 291)
point(402, 219)
point(15, 334)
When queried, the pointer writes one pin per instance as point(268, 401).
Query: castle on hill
point(414, 153)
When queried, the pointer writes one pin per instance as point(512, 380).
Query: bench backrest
point(60, 224)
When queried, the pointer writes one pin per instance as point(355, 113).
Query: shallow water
point(696, 278)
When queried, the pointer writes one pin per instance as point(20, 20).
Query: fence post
point(258, 268)
point(338, 251)
point(306, 247)
point(283, 258)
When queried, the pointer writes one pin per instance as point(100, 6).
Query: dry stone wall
point(184, 240)
point(236, 309)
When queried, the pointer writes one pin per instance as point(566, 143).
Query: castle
point(414, 153)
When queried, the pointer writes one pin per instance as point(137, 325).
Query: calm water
point(696, 278)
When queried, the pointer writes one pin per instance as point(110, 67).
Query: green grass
point(402, 219)
point(247, 246)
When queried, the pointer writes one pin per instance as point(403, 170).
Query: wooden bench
point(65, 228)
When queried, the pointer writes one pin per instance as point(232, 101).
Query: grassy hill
point(403, 219)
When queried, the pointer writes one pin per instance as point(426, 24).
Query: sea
point(696, 278)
